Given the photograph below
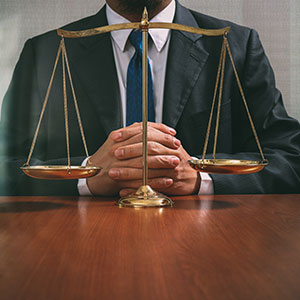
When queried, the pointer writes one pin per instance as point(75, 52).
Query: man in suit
point(184, 69)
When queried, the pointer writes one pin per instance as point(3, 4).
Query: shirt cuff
point(82, 186)
point(206, 184)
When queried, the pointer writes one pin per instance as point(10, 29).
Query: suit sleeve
point(20, 112)
point(279, 134)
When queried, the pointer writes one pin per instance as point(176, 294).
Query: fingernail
point(114, 173)
point(119, 152)
point(177, 142)
point(175, 161)
point(117, 136)
point(168, 181)
point(172, 131)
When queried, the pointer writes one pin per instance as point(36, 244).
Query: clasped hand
point(122, 165)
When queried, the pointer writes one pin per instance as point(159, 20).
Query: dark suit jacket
point(191, 73)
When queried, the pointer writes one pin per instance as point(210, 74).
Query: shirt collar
point(159, 36)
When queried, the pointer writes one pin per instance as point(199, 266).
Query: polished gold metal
point(75, 102)
point(44, 104)
point(145, 24)
point(244, 98)
point(96, 31)
point(145, 197)
point(219, 103)
point(66, 106)
point(213, 101)
point(60, 172)
point(142, 25)
point(206, 32)
point(227, 166)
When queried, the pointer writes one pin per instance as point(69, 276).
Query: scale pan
point(60, 172)
point(227, 166)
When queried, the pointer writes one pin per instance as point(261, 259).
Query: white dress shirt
point(157, 54)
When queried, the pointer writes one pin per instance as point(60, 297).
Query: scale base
point(145, 197)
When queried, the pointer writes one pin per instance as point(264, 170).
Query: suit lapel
point(186, 59)
point(93, 62)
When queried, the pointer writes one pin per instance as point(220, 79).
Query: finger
point(163, 161)
point(155, 136)
point(135, 150)
point(163, 128)
point(155, 183)
point(137, 128)
point(154, 162)
point(124, 174)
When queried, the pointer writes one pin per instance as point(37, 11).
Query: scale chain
point(75, 102)
point(214, 100)
point(221, 69)
point(219, 103)
point(44, 105)
point(61, 51)
point(65, 103)
point(244, 99)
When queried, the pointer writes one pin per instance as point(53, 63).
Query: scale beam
point(158, 25)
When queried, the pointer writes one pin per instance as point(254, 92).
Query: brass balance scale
point(145, 196)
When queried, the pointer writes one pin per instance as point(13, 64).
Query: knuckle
point(158, 161)
point(168, 139)
point(161, 160)
point(150, 135)
point(153, 147)
point(161, 126)
point(177, 173)
point(165, 160)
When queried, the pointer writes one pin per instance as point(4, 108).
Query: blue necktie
point(134, 84)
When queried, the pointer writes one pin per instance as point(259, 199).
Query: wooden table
point(206, 247)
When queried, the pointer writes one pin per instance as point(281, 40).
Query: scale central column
point(145, 100)
point(145, 196)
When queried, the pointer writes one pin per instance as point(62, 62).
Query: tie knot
point(135, 38)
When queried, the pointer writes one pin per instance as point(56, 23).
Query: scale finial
point(145, 14)
point(144, 21)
